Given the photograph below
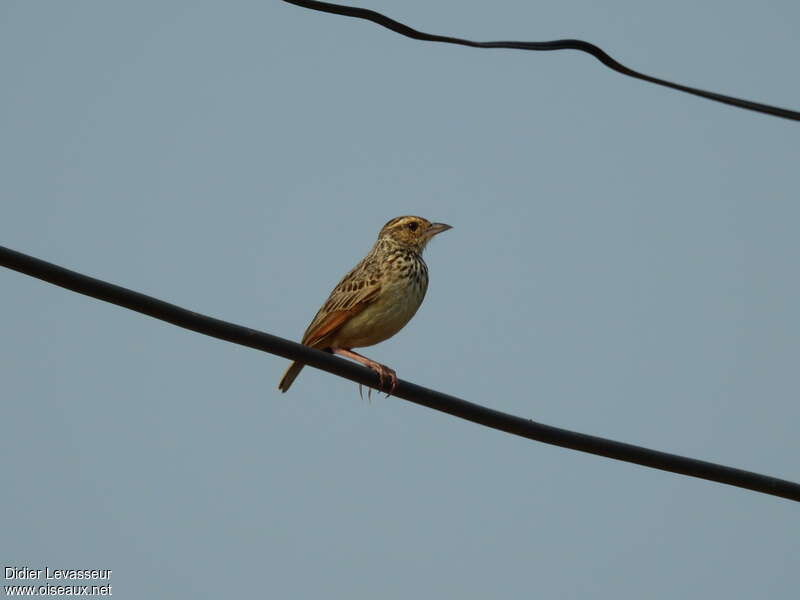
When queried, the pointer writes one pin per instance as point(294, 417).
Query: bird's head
point(411, 232)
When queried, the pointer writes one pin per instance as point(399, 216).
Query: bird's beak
point(435, 228)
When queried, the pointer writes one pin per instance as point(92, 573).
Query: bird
point(375, 300)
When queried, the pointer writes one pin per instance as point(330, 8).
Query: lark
point(376, 299)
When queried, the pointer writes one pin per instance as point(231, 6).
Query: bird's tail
point(291, 374)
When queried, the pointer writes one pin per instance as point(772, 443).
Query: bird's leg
point(383, 371)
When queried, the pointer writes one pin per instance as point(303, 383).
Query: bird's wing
point(355, 292)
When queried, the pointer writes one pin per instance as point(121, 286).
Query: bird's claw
point(385, 373)
point(361, 393)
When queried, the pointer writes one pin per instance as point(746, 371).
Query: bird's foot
point(385, 373)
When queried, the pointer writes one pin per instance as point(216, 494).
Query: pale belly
point(382, 319)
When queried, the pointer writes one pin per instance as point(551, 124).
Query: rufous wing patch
point(331, 322)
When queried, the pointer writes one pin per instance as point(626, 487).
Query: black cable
point(598, 53)
point(408, 391)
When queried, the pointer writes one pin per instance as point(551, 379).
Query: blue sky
point(623, 263)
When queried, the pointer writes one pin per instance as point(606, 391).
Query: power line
point(259, 340)
point(580, 45)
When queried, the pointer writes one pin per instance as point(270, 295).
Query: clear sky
point(623, 263)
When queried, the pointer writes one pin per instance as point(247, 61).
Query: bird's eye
point(413, 225)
